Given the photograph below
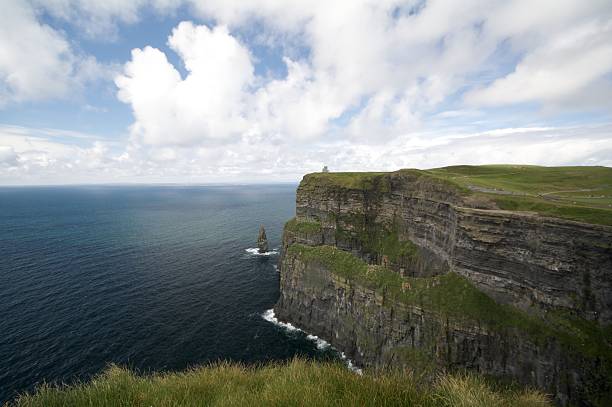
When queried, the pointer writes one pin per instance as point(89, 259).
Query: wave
point(255, 252)
point(270, 316)
point(321, 343)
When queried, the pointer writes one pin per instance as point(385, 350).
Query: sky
point(238, 91)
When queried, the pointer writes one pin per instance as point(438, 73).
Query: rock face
point(376, 332)
point(262, 240)
point(554, 276)
point(518, 258)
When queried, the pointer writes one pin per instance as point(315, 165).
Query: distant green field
point(576, 193)
point(564, 182)
point(582, 194)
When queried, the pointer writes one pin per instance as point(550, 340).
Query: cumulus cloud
point(36, 61)
point(374, 69)
point(206, 105)
point(556, 72)
point(366, 85)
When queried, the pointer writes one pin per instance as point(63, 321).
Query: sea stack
point(262, 240)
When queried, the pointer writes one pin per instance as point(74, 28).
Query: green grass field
point(302, 226)
point(576, 193)
point(582, 194)
point(589, 185)
point(296, 383)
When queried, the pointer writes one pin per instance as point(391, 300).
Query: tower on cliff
point(262, 240)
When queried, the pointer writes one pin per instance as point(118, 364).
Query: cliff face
point(378, 332)
point(518, 258)
point(551, 280)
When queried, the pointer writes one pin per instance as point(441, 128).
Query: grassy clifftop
point(349, 180)
point(569, 182)
point(297, 383)
point(576, 193)
point(582, 194)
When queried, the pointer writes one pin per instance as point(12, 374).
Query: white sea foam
point(271, 317)
point(322, 344)
point(255, 252)
point(350, 364)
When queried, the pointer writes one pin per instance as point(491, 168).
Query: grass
point(296, 383)
point(347, 180)
point(580, 193)
point(302, 226)
point(577, 193)
point(421, 363)
point(577, 212)
point(455, 296)
point(529, 179)
point(388, 244)
point(375, 238)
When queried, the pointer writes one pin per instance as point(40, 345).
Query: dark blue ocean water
point(155, 278)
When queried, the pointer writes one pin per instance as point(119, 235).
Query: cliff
point(427, 269)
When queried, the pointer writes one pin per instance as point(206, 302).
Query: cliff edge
point(501, 270)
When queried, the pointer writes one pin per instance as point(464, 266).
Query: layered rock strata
point(551, 280)
point(518, 258)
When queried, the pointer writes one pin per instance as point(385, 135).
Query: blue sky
point(194, 91)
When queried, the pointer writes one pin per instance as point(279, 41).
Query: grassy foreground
point(296, 383)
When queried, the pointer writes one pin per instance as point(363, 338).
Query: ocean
point(156, 278)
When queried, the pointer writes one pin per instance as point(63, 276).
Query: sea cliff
point(422, 269)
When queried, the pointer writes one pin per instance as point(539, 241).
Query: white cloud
point(298, 106)
point(557, 71)
point(8, 157)
point(535, 145)
point(370, 84)
point(99, 19)
point(45, 156)
point(381, 66)
point(36, 61)
point(41, 156)
point(207, 105)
